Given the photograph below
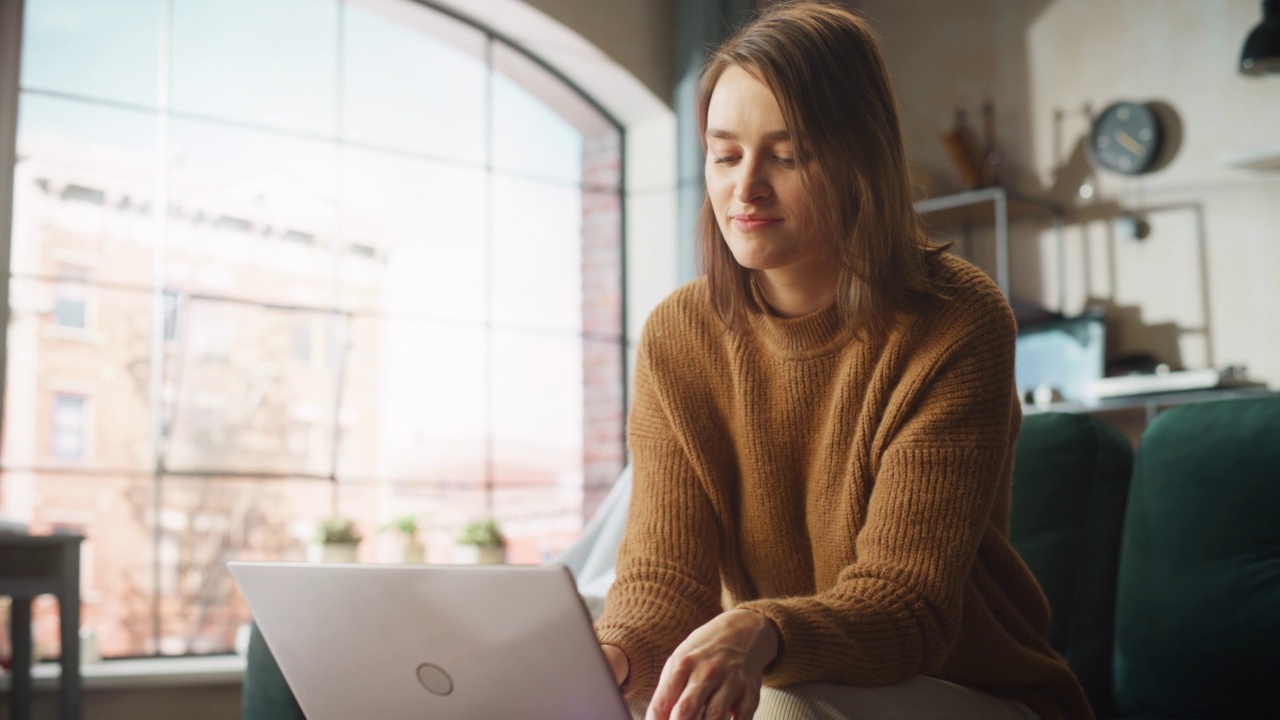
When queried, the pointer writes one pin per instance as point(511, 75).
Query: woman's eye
point(723, 160)
point(786, 161)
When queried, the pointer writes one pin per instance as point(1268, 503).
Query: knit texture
point(856, 493)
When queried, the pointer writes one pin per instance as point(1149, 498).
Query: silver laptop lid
point(439, 642)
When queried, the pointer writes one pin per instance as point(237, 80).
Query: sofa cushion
point(1198, 604)
point(1071, 475)
point(265, 695)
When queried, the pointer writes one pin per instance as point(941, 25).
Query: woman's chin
point(753, 258)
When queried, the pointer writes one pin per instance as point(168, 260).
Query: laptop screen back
point(443, 642)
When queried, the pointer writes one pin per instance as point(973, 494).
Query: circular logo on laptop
point(435, 679)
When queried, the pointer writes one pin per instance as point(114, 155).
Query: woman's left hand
point(716, 673)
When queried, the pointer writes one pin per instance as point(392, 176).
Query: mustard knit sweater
point(856, 493)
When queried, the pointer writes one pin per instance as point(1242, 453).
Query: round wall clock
point(1126, 138)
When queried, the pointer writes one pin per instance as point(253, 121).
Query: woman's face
point(753, 181)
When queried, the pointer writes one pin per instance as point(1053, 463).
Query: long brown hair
point(824, 68)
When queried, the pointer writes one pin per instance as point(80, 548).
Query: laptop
point(473, 642)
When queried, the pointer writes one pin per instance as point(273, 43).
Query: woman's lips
point(749, 223)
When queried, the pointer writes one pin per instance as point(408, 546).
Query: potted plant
point(482, 541)
point(412, 549)
point(336, 539)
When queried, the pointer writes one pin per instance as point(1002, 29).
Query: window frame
point(11, 26)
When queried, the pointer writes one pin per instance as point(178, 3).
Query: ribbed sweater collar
point(811, 335)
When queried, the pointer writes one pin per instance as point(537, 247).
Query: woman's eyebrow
point(728, 135)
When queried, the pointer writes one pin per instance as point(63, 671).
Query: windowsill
point(142, 673)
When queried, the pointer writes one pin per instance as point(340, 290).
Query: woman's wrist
point(766, 639)
point(619, 664)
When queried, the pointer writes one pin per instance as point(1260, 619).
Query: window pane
point(414, 80)
point(426, 224)
point(107, 49)
point(538, 122)
point(419, 434)
point(440, 507)
point(106, 365)
point(243, 402)
point(264, 63)
point(537, 261)
point(111, 511)
point(359, 429)
point(431, 402)
point(83, 188)
point(538, 437)
point(206, 522)
point(252, 215)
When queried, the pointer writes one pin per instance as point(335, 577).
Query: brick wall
point(603, 447)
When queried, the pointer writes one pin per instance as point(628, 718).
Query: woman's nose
point(752, 184)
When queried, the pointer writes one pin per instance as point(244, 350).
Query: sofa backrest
point(1198, 605)
point(1071, 477)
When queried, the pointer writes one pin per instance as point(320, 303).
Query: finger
point(693, 703)
point(720, 703)
point(671, 685)
point(748, 704)
point(657, 711)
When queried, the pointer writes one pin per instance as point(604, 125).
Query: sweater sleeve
point(895, 611)
point(668, 580)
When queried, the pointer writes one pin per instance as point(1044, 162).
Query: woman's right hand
point(618, 662)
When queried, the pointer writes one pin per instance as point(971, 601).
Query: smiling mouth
point(748, 223)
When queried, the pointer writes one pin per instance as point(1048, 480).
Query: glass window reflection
point(413, 80)
point(425, 223)
point(263, 63)
point(101, 49)
point(537, 258)
point(252, 214)
point(353, 258)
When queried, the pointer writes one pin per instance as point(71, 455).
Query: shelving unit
point(1132, 414)
point(1149, 404)
point(998, 206)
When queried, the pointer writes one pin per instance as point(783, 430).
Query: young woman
point(823, 427)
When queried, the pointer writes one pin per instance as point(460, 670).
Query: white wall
point(639, 35)
point(1202, 287)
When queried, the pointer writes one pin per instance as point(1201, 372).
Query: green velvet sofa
point(1162, 567)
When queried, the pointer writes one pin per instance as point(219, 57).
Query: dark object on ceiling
point(1261, 53)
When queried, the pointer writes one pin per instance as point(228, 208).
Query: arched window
point(277, 262)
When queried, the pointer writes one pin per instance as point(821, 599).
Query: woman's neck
point(792, 294)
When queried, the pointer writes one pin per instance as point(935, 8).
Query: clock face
point(1125, 138)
